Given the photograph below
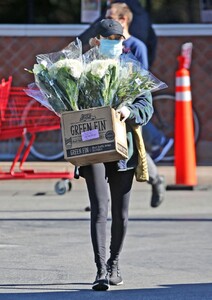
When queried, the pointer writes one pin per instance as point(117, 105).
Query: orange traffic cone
point(185, 156)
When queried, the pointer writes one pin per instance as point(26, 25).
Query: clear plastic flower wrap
point(46, 99)
point(134, 81)
point(57, 75)
point(100, 80)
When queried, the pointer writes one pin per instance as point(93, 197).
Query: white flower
point(44, 63)
point(37, 68)
point(100, 67)
point(74, 67)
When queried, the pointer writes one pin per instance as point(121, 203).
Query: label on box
point(90, 135)
point(90, 149)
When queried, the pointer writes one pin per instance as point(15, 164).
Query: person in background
point(157, 143)
point(140, 27)
point(119, 175)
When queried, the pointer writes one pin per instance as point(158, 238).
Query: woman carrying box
point(119, 175)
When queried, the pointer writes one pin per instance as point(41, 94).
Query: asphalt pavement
point(45, 247)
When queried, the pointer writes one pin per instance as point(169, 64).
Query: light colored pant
point(152, 136)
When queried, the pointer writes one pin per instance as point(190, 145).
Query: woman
point(119, 174)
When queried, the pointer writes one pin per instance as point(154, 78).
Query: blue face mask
point(110, 48)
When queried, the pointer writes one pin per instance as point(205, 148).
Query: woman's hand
point(94, 42)
point(124, 113)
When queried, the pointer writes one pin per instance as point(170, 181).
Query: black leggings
point(120, 183)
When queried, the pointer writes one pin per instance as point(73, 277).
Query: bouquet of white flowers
point(57, 75)
point(134, 80)
point(99, 83)
point(114, 82)
point(66, 73)
point(68, 80)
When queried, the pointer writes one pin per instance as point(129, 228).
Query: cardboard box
point(93, 135)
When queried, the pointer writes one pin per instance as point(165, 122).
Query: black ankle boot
point(101, 282)
point(158, 191)
point(114, 273)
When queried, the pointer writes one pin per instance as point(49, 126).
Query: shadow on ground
point(195, 291)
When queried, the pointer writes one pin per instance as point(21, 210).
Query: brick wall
point(18, 53)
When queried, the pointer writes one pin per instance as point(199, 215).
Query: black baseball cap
point(107, 27)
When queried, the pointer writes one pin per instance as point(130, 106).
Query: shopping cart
point(5, 87)
point(21, 116)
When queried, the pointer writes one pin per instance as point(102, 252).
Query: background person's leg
point(157, 182)
point(152, 136)
point(156, 142)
